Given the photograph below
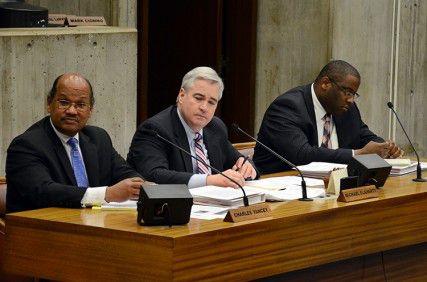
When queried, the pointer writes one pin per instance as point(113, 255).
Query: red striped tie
point(201, 167)
point(326, 138)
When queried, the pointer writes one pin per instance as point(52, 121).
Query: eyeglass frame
point(347, 92)
point(77, 105)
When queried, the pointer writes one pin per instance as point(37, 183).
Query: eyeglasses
point(347, 92)
point(79, 106)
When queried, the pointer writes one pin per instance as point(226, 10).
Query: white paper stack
point(319, 169)
point(401, 166)
point(219, 196)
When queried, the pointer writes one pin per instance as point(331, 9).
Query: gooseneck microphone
point(303, 184)
point(154, 133)
point(419, 171)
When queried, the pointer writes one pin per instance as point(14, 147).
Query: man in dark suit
point(59, 161)
point(319, 122)
point(190, 124)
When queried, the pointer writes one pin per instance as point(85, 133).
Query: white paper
point(208, 212)
point(292, 192)
point(279, 183)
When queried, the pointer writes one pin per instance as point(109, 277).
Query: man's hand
point(124, 190)
point(245, 168)
point(219, 180)
point(393, 150)
point(372, 147)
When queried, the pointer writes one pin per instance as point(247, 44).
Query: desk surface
point(84, 244)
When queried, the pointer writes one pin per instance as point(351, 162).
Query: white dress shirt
point(196, 180)
point(320, 112)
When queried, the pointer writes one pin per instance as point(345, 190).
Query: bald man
point(60, 161)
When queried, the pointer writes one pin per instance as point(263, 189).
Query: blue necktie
point(77, 163)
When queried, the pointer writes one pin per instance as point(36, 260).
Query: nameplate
point(359, 193)
point(85, 21)
point(57, 19)
point(248, 213)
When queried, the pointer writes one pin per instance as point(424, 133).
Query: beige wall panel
point(292, 46)
point(362, 35)
point(31, 63)
point(411, 84)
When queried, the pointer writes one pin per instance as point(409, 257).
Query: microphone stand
point(419, 171)
point(303, 184)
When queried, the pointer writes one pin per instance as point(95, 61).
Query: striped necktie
point(77, 163)
point(327, 128)
point(201, 167)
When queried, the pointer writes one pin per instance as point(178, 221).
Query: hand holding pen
point(245, 168)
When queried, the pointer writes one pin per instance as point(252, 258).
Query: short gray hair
point(202, 73)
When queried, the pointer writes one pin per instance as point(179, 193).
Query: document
point(220, 196)
point(291, 192)
point(208, 212)
point(280, 183)
point(126, 205)
point(319, 169)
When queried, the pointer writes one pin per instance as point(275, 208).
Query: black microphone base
point(305, 199)
point(419, 180)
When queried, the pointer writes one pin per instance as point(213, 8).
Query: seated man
point(59, 161)
point(319, 122)
point(190, 124)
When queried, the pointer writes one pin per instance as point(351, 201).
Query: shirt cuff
point(352, 153)
point(197, 180)
point(94, 196)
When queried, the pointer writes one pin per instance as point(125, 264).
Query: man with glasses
point(60, 161)
point(319, 122)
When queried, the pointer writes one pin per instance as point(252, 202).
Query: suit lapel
point(181, 140)
point(338, 121)
point(310, 109)
point(90, 157)
point(60, 152)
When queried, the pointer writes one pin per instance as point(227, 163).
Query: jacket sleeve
point(150, 157)
point(30, 184)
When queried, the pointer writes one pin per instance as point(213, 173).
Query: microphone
point(419, 171)
point(154, 133)
point(303, 184)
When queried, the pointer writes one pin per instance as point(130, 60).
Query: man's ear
point(180, 95)
point(325, 83)
point(48, 104)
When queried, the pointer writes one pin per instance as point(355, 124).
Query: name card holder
point(85, 21)
point(251, 212)
point(358, 193)
point(57, 19)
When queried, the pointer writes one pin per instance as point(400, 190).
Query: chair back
point(3, 189)
point(245, 148)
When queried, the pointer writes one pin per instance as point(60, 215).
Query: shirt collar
point(318, 108)
point(190, 132)
point(64, 138)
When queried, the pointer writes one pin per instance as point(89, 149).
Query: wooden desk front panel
point(66, 244)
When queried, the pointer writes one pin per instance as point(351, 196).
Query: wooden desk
point(77, 245)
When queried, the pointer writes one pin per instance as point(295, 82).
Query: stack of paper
point(282, 182)
point(219, 196)
point(127, 205)
point(401, 166)
point(289, 193)
point(319, 169)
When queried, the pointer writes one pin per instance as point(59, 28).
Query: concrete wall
point(30, 63)
point(116, 12)
point(386, 40)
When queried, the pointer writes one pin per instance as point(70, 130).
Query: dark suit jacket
point(289, 128)
point(160, 162)
point(39, 172)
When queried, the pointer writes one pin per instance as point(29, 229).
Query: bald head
point(71, 79)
